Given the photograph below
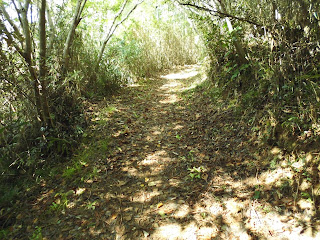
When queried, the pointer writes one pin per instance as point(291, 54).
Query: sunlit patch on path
point(190, 72)
point(170, 172)
point(178, 82)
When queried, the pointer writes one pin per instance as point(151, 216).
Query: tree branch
point(10, 40)
point(81, 9)
point(13, 25)
point(114, 28)
point(116, 17)
point(220, 14)
point(75, 22)
point(125, 18)
point(17, 10)
point(52, 29)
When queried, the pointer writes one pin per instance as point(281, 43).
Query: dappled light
point(159, 120)
point(172, 98)
point(171, 86)
point(158, 181)
point(178, 82)
point(183, 74)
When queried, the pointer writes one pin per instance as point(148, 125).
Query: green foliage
point(8, 194)
point(4, 233)
point(279, 78)
point(60, 202)
point(161, 44)
point(257, 192)
point(274, 163)
point(306, 195)
point(178, 137)
point(70, 172)
point(140, 51)
point(195, 172)
point(37, 234)
point(91, 205)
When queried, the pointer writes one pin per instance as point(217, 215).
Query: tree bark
point(52, 29)
point(236, 42)
point(75, 22)
point(28, 57)
point(42, 64)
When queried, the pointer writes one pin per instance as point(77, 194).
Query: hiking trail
point(161, 163)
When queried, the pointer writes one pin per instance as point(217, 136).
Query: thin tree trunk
point(75, 22)
point(13, 25)
point(52, 29)
point(10, 41)
point(236, 42)
point(110, 30)
point(114, 27)
point(42, 63)
point(28, 57)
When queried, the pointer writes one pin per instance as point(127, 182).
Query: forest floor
point(162, 161)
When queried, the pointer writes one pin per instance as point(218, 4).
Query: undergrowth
point(280, 150)
point(32, 150)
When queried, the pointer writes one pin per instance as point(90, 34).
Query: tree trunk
point(52, 29)
point(237, 43)
point(13, 25)
point(42, 63)
point(114, 27)
point(28, 58)
point(75, 22)
point(111, 30)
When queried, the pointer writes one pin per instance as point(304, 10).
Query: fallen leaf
point(79, 191)
point(145, 234)
point(128, 218)
point(162, 213)
point(159, 205)
point(204, 176)
point(121, 183)
point(151, 184)
point(51, 191)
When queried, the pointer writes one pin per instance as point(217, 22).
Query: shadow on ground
point(175, 167)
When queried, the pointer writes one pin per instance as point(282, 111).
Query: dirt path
point(172, 169)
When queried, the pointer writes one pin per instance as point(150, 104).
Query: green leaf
point(235, 74)
point(310, 76)
point(2, 129)
point(229, 69)
point(256, 194)
point(305, 195)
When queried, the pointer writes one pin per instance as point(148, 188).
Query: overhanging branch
point(221, 14)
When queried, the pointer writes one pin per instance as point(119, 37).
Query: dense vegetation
point(266, 53)
point(56, 58)
point(81, 54)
